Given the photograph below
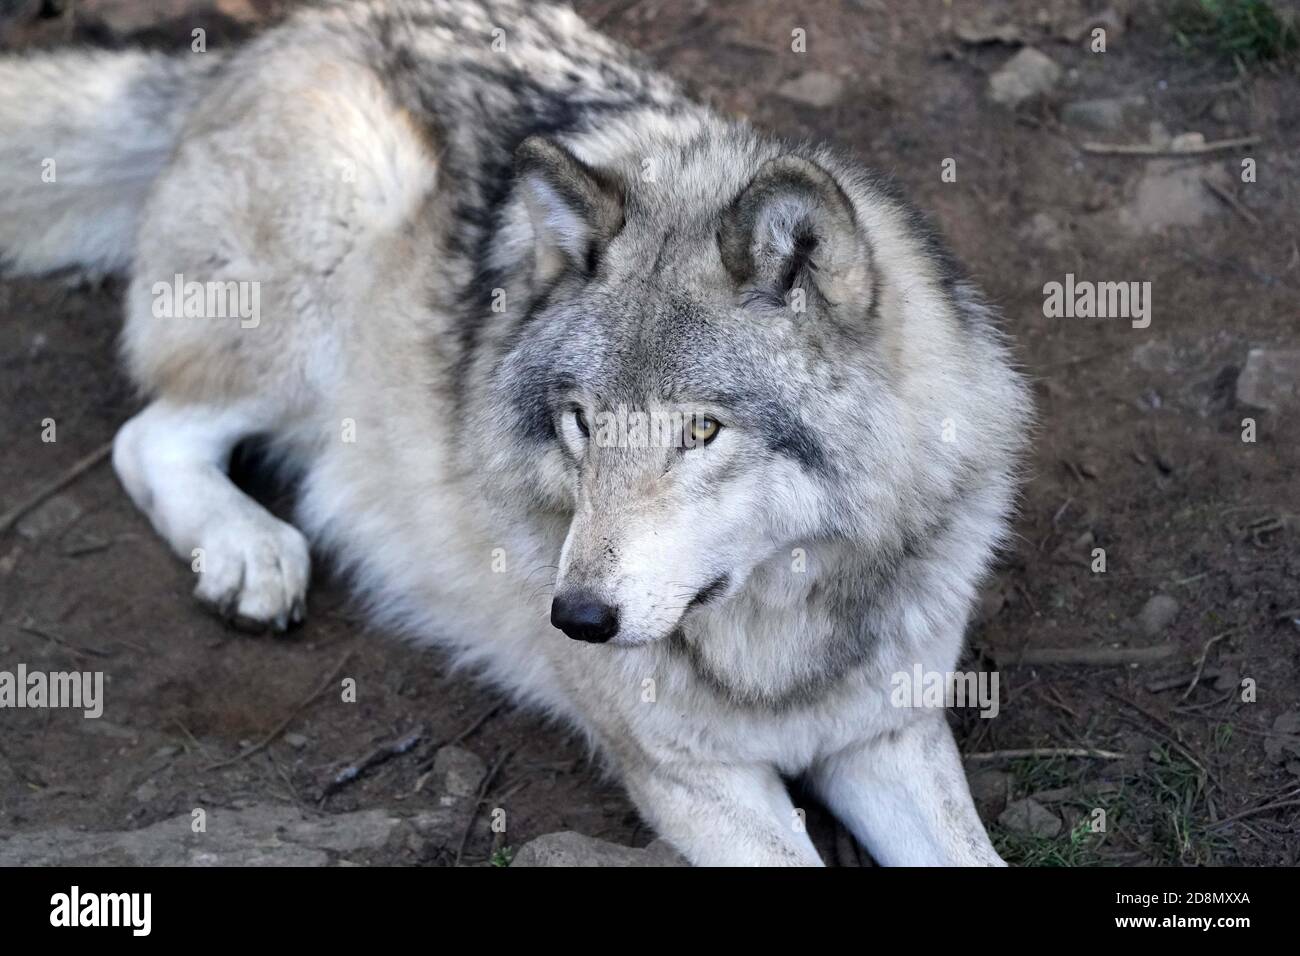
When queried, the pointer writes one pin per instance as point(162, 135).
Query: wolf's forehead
point(676, 180)
point(668, 255)
point(675, 349)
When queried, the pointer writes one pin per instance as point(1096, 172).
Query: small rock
point(574, 849)
point(1150, 400)
point(260, 835)
point(147, 792)
point(1043, 230)
point(1055, 796)
point(1026, 75)
point(440, 824)
point(48, 519)
point(1071, 815)
point(1102, 115)
point(296, 741)
point(1187, 142)
point(1284, 744)
point(1270, 379)
point(1028, 817)
point(990, 790)
point(1172, 192)
point(984, 28)
point(1156, 356)
point(1157, 614)
point(815, 88)
point(1135, 743)
point(456, 774)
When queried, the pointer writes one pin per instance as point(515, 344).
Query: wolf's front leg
point(905, 797)
point(172, 458)
point(722, 815)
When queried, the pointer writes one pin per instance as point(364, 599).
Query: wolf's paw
point(254, 573)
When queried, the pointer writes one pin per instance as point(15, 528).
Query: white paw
point(254, 572)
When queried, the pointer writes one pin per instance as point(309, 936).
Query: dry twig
point(58, 483)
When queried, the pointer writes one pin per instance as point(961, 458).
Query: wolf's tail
point(82, 136)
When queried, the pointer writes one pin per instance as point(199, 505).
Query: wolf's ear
point(575, 209)
point(793, 226)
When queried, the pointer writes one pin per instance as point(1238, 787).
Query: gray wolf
point(477, 230)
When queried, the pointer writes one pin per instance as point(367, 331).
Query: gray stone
point(50, 518)
point(1270, 379)
point(147, 792)
point(1156, 356)
point(1026, 75)
point(815, 88)
point(1187, 142)
point(1101, 115)
point(1028, 817)
point(1284, 743)
point(990, 790)
point(1042, 230)
point(574, 849)
point(1172, 192)
point(261, 835)
point(1157, 614)
point(984, 28)
point(456, 775)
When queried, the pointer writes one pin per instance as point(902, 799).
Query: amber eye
point(581, 421)
point(701, 430)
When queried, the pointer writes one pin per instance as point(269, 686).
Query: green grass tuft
point(503, 857)
point(1244, 31)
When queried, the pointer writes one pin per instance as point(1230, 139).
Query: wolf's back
point(82, 136)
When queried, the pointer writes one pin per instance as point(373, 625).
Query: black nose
point(584, 618)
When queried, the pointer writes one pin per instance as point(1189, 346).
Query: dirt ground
point(1193, 750)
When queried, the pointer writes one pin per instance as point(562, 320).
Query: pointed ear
point(793, 226)
point(575, 209)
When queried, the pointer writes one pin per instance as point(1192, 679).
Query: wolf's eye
point(581, 421)
point(701, 430)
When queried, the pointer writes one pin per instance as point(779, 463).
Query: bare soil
point(1139, 452)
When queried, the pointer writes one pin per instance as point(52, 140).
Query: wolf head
point(701, 373)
